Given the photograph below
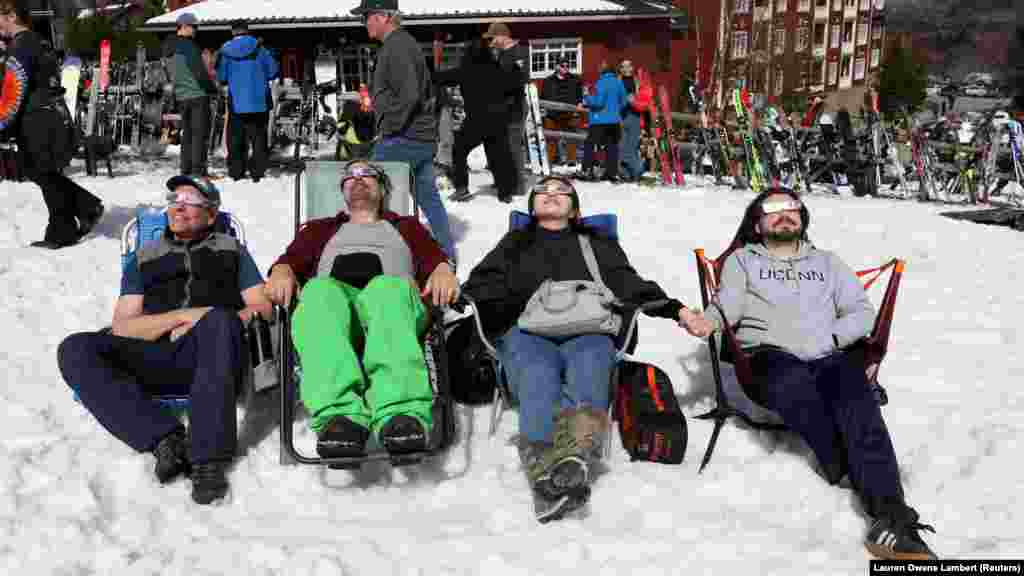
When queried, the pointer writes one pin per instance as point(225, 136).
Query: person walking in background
point(565, 87)
point(403, 101)
point(33, 111)
point(246, 67)
point(604, 117)
point(193, 89)
point(514, 59)
point(484, 87)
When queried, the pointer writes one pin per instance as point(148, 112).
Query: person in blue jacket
point(604, 118)
point(246, 67)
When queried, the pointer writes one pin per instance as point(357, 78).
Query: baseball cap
point(239, 26)
point(187, 19)
point(203, 185)
point(367, 6)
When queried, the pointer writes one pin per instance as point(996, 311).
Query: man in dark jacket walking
point(33, 111)
point(565, 87)
point(514, 59)
point(484, 87)
point(246, 67)
point(403, 101)
point(193, 89)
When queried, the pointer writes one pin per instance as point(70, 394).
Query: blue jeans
point(536, 368)
point(420, 156)
point(630, 146)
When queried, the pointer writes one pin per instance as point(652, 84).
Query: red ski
point(661, 140)
point(104, 64)
point(665, 105)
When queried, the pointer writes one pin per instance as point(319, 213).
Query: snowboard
point(665, 106)
point(536, 143)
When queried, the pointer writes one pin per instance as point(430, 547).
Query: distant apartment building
point(783, 47)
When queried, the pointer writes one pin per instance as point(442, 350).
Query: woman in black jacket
point(32, 108)
point(484, 87)
point(563, 385)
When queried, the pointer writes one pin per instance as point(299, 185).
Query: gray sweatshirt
point(810, 305)
point(402, 92)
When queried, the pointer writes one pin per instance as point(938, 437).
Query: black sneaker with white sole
point(895, 537)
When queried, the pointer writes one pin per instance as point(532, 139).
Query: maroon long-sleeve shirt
point(303, 254)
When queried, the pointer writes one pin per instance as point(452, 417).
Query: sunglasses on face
point(188, 198)
point(553, 188)
point(778, 206)
point(359, 171)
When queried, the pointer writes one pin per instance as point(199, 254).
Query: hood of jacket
point(240, 47)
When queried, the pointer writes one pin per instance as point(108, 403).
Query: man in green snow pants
point(364, 277)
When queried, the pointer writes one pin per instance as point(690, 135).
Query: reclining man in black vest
point(177, 330)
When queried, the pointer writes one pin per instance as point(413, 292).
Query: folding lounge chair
point(731, 402)
point(319, 196)
point(503, 398)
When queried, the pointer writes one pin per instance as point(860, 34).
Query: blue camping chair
point(147, 226)
point(503, 399)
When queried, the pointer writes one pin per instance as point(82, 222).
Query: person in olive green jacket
point(193, 89)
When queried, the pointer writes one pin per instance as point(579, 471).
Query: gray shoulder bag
point(573, 307)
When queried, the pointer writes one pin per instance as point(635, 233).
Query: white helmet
point(825, 119)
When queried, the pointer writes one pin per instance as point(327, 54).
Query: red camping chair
point(876, 344)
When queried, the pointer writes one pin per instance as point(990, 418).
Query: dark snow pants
point(829, 404)
point(116, 379)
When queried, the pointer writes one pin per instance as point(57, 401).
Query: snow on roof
point(223, 11)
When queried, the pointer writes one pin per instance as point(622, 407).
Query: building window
point(862, 31)
point(544, 56)
point(802, 36)
point(760, 2)
point(834, 42)
point(451, 54)
point(780, 40)
point(804, 6)
point(858, 69)
point(818, 71)
point(780, 78)
point(847, 32)
point(821, 3)
point(739, 43)
point(833, 72)
point(851, 3)
point(845, 66)
point(356, 66)
point(876, 30)
point(742, 7)
point(819, 33)
point(876, 54)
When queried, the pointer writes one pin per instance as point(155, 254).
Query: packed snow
point(73, 500)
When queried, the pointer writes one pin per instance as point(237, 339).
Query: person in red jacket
point(364, 277)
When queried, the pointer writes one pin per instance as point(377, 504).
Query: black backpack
point(471, 371)
point(651, 424)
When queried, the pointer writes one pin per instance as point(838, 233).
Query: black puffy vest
point(177, 274)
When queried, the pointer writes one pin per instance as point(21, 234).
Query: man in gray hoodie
point(801, 313)
point(404, 106)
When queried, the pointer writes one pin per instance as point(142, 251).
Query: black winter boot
point(209, 481)
point(342, 438)
point(403, 434)
point(171, 456)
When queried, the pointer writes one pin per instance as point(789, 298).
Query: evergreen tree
point(902, 83)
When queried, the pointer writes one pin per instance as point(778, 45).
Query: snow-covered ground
point(73, 500)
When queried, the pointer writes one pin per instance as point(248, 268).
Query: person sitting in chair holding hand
point(562, 382)
point(801, 314)
point(363, 276)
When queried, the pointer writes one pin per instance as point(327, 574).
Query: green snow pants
point(332, 322)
